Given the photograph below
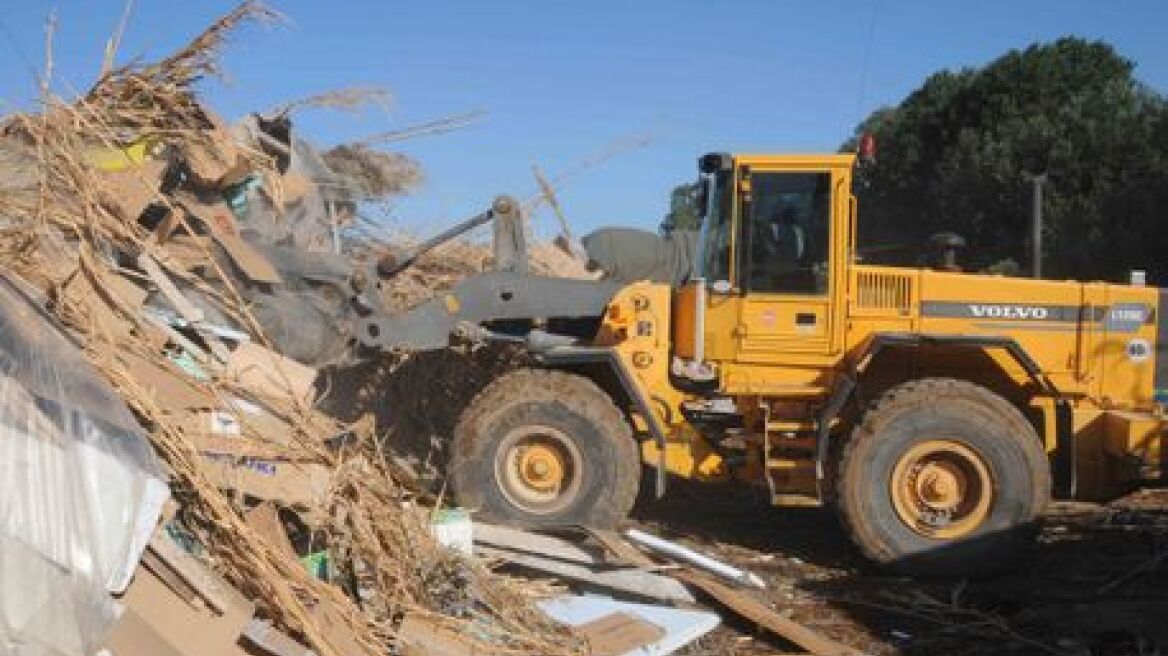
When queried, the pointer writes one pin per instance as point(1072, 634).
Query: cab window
point(785, 234)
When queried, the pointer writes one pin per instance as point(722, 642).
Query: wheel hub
point(939, 486)
point(541, 467)
point(538, 469)
point(942, 489)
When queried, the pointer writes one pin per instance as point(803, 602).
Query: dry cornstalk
point(62, 224)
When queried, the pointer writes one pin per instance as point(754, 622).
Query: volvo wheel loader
point(938, 411)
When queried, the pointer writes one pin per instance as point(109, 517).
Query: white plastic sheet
point(81, 488)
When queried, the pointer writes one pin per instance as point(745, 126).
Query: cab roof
point(715, 161)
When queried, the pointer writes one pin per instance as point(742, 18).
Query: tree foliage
point(956, 155)
point(683, 210)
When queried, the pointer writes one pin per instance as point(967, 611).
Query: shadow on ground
point(1094, 583)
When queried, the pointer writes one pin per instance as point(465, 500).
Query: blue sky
point(564, 82)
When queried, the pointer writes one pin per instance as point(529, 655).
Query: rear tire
point(545, 448)
point(943, 477)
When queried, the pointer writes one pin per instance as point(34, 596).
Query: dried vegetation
point(77, 218)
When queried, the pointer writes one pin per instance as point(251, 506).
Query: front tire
point(545, 448)
point(943, 477)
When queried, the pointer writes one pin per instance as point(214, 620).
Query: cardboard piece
point(676, 627)
point(214, 591)
point(295, 186)
point(263, 635)
point(220, 221)
point(419, 636)
point(248, 259)
point(177, 607)
point(618, 633)
point(134, 635)
point(187, 310)
point(302, 485)
point(267, 373)
point(80, 290)
point(327, 617)
point(217, 162)
point(264, 519)
point(186, 252)
point(261, 435)
point(236, 447)
point(159, 621)
point(131, 190)
point(173, 390)
point(229, 422)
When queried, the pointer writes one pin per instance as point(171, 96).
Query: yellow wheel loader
point(939, 411)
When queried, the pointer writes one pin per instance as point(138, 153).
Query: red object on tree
point(868, 147)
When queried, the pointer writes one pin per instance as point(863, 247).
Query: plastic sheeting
point(81, 488)
point(307, 223)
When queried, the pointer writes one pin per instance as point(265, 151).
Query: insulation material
point(81, 488)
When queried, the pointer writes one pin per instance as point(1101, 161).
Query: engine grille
point(878, 290)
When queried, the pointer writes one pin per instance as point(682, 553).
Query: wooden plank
point(754, 610)
point(171, 579)
point(181, 304)
point(520, 541)
point(218, 595)
point(262, 634)
point(561, 558)
point(619, 549)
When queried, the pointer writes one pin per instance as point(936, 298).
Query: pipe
point(389, 266)
point(699, 354)
point(692, 557)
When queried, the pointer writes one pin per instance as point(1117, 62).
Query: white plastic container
point(453, 529)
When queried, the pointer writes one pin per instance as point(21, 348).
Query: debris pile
point(195, 266)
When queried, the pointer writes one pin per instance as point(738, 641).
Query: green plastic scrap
point(317, 565)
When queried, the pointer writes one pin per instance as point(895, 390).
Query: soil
point(1095, 583)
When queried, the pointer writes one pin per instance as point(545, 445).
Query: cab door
point(787, 261)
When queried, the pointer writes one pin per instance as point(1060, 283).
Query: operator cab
point(776, 233)
point(783, 236)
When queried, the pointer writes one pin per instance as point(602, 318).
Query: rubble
point(195, 266)
point(195, 462)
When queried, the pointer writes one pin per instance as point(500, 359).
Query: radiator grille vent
point(883, 291)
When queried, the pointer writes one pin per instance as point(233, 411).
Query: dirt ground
point(1094, 584)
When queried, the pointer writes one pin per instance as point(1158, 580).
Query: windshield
point(785, 235)
point(714, 264)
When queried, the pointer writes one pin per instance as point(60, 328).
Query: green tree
point(957, 152)
point(683, 209)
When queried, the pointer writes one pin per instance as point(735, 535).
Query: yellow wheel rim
point(942, 489)
point(538, 469)
point(541, 466)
